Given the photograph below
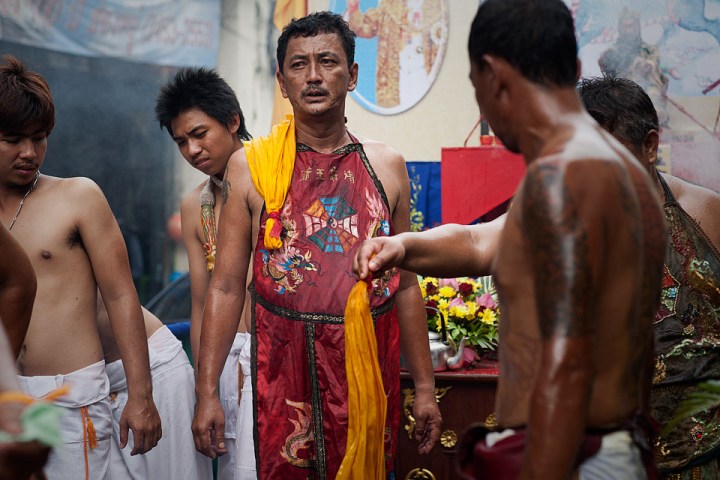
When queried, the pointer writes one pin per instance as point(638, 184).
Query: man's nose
point(27, 148)
point(194, 147)
point(314, 73)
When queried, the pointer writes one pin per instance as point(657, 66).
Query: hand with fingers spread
point(377, 255)
point(209, 427)
point(140, 416)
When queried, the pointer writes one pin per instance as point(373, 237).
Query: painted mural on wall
point(672, 49)
point(400, 49)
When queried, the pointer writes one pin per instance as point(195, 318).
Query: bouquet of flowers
point(468, 305)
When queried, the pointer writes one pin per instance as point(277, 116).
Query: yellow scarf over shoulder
point(271, 160)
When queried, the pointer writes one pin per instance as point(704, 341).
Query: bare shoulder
point(79, 190)
point(381, 155)
point(690, 193)
point(192, 198)
point(701, 203)
point(239, 183)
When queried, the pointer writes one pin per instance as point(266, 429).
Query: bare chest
point(49, 235)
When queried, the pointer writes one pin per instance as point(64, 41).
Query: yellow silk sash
point(271, 160)
point(367, 402)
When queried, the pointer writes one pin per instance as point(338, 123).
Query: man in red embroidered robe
point(343, 190)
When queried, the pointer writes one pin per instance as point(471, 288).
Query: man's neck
point(547, 112)
point(320, 134)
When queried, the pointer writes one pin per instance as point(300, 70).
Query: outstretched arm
point(445, 251)
point(108, 256)
point(559, 236)
point(223, 306)
point(17, 290)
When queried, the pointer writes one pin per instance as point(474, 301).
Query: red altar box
point(475, 180)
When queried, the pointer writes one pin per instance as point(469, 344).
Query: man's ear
point(354, 68)
point(281, 82)
point(234, 125)
point(492, 65)
point(650, 146)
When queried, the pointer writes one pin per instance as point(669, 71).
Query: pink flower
point(456, 302)
point(486, 300)
point(450, 282)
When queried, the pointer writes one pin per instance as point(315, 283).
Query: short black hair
point(537, 37)
point(315, 24)
point(620, 106)
point(25, 97)
point(202, 88)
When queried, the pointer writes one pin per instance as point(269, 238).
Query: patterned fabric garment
point(299, 295)
point(687, 341)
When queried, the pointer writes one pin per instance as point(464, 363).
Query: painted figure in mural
point(173, 382)
point(410, 34)
point(577, 264)
point(687, 325)
point(17, 290)
point(323, 191)
point(75, 246)
point(632, 58)
point(202, 114)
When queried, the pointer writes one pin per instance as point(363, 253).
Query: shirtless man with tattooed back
point(577, 266)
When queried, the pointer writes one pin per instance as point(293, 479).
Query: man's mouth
point(315, 93)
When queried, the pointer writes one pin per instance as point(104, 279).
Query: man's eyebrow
point(194, 130)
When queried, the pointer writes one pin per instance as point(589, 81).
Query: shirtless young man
point(578, 263)
point(17, 290)
point(359, 189)
point(687, 325)
point(74, 244)
point(202, 114)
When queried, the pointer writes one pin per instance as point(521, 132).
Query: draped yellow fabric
point(285, 10)
point(271, 160)
point(367, 403)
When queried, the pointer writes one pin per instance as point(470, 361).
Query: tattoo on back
point(558, 240)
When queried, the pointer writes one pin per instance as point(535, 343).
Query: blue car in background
point(172, 305)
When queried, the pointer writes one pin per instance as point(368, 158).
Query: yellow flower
point(436, 298)
point(423, 292)
point(488, 316)
point(447, 292)
point(443, 305)
point(472, 308)
point(458, 312)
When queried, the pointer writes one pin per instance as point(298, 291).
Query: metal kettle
point(445, 355)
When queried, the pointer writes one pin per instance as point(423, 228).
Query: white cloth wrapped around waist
point(163, 346)
point(87, 385)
